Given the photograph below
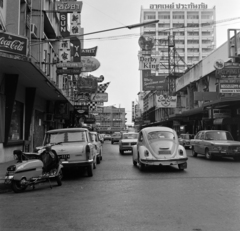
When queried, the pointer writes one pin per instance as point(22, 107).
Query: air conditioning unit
point(49, 117)
point(33, 31)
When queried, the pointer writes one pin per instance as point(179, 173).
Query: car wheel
point(208, 155)
point(236, 158)
point(134, 162)
point(142, 166)
point(98, 160)
point(182, 166)
point(194, 154)
point(59, 178)
point(90, 170)
point(112, 142)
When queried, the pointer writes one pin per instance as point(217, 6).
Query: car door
point(196, 142)
point(202, 144)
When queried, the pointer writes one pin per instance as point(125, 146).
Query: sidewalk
point(3, 170)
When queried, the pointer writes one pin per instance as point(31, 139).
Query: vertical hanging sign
point(75, 23)
point(76, 49)
point(64, 51)
point(63, 25)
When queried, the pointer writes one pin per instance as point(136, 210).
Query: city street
point(204, 197)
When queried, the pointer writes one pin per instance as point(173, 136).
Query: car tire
point(112, 142)
point(236, 158)
point(208, 155)
point(181, 167)
point(90, 170)
point(98, 160)
point(142, 166)
point(194, 154)
point(59, 178)
point(134, 162)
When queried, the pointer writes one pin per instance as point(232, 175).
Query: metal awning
point(226, 121)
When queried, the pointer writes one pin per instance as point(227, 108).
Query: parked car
point(73, 146)
point(211, 143)
point(184, 140)
point(107, 137)
point(159, 146)
point(127, 141)
point(98, 146)
point(116, 136)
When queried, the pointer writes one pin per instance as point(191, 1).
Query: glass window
point(79, 136)
point(16, 126)
point(220, 135)
point(130, 136)
point(160, 135)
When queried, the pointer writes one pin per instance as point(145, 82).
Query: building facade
point(33, 97)
point(111, 119)
point(192, 25)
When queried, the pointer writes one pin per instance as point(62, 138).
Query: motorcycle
point(34, 168)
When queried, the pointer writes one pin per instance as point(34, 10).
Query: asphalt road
point(205, 197)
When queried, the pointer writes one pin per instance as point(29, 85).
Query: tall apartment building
point(191, 24)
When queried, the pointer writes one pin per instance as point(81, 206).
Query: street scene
point(119, 115)
point(121, 197)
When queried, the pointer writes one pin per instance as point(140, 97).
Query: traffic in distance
point(81, 148)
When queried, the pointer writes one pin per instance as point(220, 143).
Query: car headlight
point(11, 168)
point(215, 148)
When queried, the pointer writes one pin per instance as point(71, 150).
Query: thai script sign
point(99, 97)
point(89, 51)
point(13, 44)
point(229, 85)
point(74, 71)
point(69, 65)
point(151, 83)
point(179, 6)
point(166, 101)
point(89, 64)
point(68, 7)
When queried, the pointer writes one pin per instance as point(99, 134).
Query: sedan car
point(107, 137)
point(127, 141)
point(116, 136)
point(184, 140)
point(73, 146)
point(159, 146)
point(98, 146)
point(211, 143)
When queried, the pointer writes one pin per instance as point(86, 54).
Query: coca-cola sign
point(13, 44)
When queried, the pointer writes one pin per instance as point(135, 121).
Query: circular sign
point(219, 64)
point(146, 42)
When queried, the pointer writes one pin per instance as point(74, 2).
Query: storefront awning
point(226, 121)
point(31, 76)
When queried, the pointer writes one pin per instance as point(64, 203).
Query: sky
point(118, 49)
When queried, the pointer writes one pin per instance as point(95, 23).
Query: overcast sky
point(118, 49)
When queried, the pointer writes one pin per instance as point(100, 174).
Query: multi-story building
point(111, 119)
point(192, 25)
point(32, 95)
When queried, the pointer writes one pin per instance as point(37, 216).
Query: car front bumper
point(225, 154)
point(164, 162)
point(72, 164)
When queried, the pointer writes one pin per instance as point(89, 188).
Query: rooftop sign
point(179, 6)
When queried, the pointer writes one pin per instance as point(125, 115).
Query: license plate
point(67, 156)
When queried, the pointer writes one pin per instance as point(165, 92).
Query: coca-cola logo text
point(13, 44)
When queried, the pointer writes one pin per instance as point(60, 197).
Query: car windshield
point(116, 134)
point(72, 136)
point(160, 135)
point(130, 136)
point(94, 138)
point(189, 136)
point(218, 135)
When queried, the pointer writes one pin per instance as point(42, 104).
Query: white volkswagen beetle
point(159, 146)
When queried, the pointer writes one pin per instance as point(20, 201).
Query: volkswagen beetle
point(159, 146)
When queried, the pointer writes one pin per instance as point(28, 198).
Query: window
point(202, 136)
point(160, 135)
point(16, 127)
point(140, 138)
